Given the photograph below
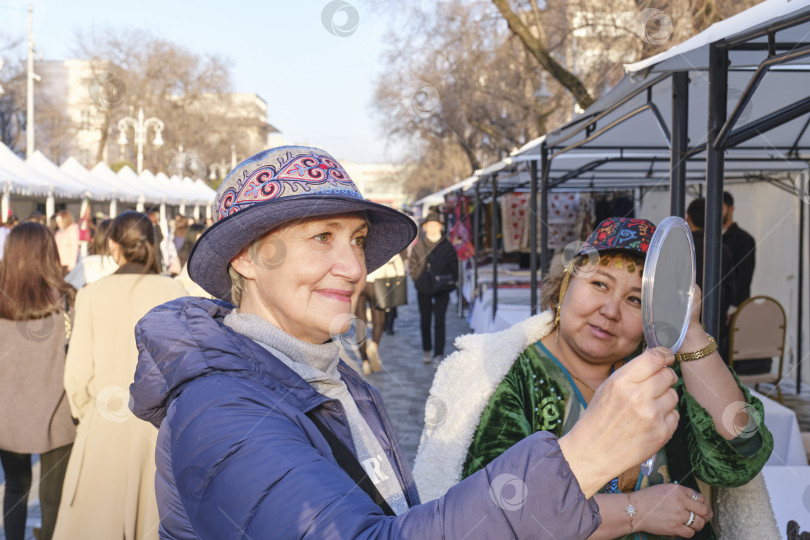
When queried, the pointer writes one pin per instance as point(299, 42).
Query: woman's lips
point(336, 294)
point(599, 332)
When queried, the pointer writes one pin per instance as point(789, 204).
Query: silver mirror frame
point(665, 228)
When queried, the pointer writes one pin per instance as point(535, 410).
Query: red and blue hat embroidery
point(620, 233)
point(295, 175)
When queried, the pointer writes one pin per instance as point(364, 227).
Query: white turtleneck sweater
point(317, 364)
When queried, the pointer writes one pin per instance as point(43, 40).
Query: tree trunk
point(539, 50)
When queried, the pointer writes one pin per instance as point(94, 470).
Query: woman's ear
point(243, 264)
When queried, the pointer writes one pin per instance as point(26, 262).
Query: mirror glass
point(667, 286)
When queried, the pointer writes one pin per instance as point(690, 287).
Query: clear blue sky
point(318, 86)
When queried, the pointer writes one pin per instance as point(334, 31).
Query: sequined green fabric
point(537, 395)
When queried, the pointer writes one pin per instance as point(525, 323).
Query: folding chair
point(758, 331)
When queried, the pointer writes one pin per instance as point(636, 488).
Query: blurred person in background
point(109, 489)
point(433, 265)
point(379, 300)
point(5, 228)
point(192, 233)
point(37, 217)
point(98, 263)
point(180, 226)
point(35, 326)
point(67, 239)
point(154, 217)
point(743, 250)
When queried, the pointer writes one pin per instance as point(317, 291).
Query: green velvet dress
point(538, 394)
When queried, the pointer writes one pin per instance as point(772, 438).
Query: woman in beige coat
point(109, 487)
point(34, 326)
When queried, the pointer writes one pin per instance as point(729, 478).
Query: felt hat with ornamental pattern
point(620, 234)
point(278, 186)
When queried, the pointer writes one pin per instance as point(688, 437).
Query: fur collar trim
point(461, 390)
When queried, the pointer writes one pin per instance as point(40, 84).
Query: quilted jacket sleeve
point(263, 472)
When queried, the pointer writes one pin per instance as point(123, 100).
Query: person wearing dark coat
point(743, 252)
point(431, 257)
point(696, 218)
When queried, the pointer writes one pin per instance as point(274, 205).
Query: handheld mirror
point(667, 289)
point(668, 283)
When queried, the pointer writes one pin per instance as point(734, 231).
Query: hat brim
point(389, 232)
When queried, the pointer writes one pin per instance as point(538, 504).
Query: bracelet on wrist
point(630, 510)
point(697, 355)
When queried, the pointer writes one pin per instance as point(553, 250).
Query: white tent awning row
point(39, 177)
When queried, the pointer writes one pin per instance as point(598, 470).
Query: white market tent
point(88, 187)
point(26, 183)
point(651, 131)
point(153, 191)
point(32, 179)
point(75, 169)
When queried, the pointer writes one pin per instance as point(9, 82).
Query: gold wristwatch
point(697, 355)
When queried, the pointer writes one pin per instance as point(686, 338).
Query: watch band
point(697, 355)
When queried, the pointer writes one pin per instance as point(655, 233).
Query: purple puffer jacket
point(237, 457)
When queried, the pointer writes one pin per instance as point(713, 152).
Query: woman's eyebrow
point(605, 273)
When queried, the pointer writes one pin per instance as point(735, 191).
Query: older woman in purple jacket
point(265, 432)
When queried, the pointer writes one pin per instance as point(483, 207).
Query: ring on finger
point(694, 495)
point(691, 519)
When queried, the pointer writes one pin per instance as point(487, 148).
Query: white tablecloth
point(787, 439)
point(513, 307)
point(789, 490)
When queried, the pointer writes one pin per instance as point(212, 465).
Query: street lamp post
point(219, 169)
point(141, 128)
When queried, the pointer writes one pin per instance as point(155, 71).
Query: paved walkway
point(404, 380)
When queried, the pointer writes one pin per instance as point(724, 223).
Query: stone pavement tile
point(404, 381)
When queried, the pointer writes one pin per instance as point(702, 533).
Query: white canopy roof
point(76, 170)
point(693, 54)
point(140, 192)
point(90, 187)
point(26, 180)
point(625, 135)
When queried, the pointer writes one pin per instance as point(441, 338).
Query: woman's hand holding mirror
point(632, 415)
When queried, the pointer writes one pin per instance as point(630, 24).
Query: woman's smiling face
point(306, 278)
point(600, 317)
